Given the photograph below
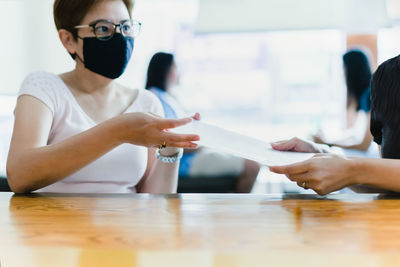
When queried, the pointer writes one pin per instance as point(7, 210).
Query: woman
point(326, 173)
point(162, 75)
point(83, 132)
point(358, 78)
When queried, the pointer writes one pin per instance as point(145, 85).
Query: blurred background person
point(357, 135)
point(162, 75)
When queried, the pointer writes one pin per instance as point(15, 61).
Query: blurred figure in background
point(162, 75)
point(357, 70)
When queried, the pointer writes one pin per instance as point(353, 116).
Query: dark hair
point(70, 13)
point(159, 67)
point(357, 73)
point(385, 107)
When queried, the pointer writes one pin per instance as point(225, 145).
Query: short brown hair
point(70, 13)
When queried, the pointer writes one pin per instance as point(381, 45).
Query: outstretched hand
point(324, 173)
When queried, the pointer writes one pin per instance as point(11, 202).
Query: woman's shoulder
point(142, 95)
point(41, 81)
point(147, 102)
point(41, 78)
point(44, 86)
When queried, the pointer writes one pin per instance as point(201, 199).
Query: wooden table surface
point(199, 230)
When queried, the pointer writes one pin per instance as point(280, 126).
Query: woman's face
point(113, 10)
point(173, 76)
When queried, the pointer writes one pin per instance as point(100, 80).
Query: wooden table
point(199, 230)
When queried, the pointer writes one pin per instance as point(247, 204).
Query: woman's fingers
point(188, 145)
point(172, 123)
point(289, 145)
point(296, 145)
point(321, 155)
point(172, 137)
point(296, 168)
point(303, 185)
point(302, 177)
point(285, 145)
point(197, 116)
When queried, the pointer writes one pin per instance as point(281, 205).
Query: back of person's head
point(357, 74)
point(159, 68)
point(385, 91)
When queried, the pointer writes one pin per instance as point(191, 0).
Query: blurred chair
point(4, 187)
point(223, 184)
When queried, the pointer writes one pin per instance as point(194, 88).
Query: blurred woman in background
point(357, 70)
point(162, 75)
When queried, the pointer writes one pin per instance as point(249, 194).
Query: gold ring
point(304, 185)
point(164, 145)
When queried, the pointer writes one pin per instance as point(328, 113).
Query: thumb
point(172, 123)
point(285, 145)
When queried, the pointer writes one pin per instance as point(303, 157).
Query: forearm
point(364, 189)
point(377, 173)
point(163, 178)
point(34, 168)
point(354, 142)
point(160, 177)
point(361, 145)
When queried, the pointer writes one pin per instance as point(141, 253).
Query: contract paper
point(230, 142)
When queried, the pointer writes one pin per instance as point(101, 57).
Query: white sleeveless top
point(118, 171)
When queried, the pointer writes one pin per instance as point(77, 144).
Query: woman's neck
point(89, 82)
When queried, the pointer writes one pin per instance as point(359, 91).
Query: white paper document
point(240, 145)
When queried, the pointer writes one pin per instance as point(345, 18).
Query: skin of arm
point(378, 173)
point(160, 177)
point(32, 164)
point(363, 145)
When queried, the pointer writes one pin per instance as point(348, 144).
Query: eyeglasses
point(105, 29)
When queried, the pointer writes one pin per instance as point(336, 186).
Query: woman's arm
point(347, 143)
point(32, 164)
point(160, 177)
point(327, 173)
point(379, 173)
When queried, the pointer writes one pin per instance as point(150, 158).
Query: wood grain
point(199, 230)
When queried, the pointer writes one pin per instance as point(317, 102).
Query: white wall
point(30, 42)
point(352, 16)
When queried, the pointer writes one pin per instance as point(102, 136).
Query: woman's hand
point(319, 137)
point(150, 130)
point(324, 173)
point(297, 145)
point(196, 116)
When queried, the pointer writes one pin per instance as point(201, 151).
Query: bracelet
point(170, 159)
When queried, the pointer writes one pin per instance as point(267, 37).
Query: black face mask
point(107, 58)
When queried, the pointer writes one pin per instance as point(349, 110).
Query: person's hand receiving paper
point(324, 173)
point(297, 145)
